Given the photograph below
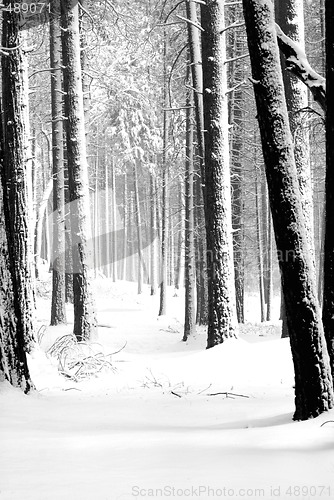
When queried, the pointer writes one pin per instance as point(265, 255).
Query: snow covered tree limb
point(297, 63)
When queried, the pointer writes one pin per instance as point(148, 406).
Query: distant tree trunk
point(200, 252)
point(189, 261)
point(138, 227)
point(171, 248)
point(221, 291)
point(114, 222)
point(84, 307)
point(83, 60)
point(260, 248)
point(328, 297)
point(165, 180)
point(42, 216)
point(125, 225)
point(153, 248)
point(16, 189)
point(107, 219)
point(270, 269)
point(236, 118)
point(313, 381)
point(96, 215)
point(179, 266)
point(58, 312)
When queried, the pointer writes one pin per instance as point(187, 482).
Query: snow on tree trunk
point(13, 361)
point(58, 313)
point(83, 301)
point(328, 296)
point(290, 17)
point(153, 247)
point(236, 48)
point(15, 179)
point(189, 261)
point(313, 381)
point(165, 180)
point(221, 291)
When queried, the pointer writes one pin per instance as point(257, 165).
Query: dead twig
point(228, 394)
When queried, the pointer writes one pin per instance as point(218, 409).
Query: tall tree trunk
point(138, 227)
point(107, 218)
point(153, 214)
point(15, 182)
point(195, 54)
point(221, 292)
point(200, 252)
point(313, 381)
point(13, 360)
point(179, 265)
point(290, 17)
point(259, 248)
point(270, 269)
point(84, 307)
point(328, 297)
point(165, 181)
point(58, 312)
point(189, 261)
point(236, 119)
point(125, 225)
point(114, 222)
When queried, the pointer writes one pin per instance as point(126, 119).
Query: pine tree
point(221, 292)
point(313, 381)
point(58, 312)
point(83, 300)
point(15, 179)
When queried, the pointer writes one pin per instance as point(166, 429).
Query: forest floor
point(162, 418)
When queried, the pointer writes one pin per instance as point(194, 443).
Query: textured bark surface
point(221, 292)
point(328, 296)
point(58, 313)
point(15, 179)
point(236, 119)
point(313, 381)
point(84, 307)
point(13, 361)
point(189, 260)
point(165, 179)
point(153, 229)
point(290, 16)
point(194, 41)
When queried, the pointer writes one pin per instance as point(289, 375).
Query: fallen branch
point(296, 62)
point(327, 422)
point(227, 394)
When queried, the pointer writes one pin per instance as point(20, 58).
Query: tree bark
point(138, 227)
point(84, 307)
point(58, 312)
point(15, 182)
point(13, 360)
point(313, 381)
point(221, 290)
point(153, 215)
point(165, 181)
point(189, 261)
point(260, 248)
point(328, 296)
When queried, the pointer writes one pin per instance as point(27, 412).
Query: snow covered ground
point(170, 420)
